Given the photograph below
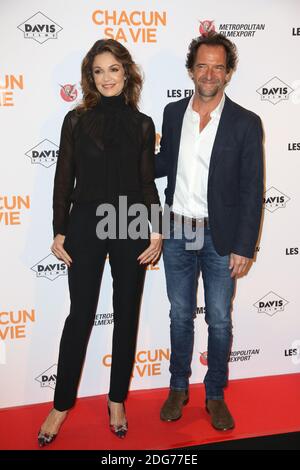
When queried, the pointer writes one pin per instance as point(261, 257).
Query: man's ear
point(228, 76)
point(191, 75)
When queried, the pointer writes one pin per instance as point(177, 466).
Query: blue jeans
point(182, 268)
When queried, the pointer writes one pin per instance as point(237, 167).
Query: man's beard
point(208, 92)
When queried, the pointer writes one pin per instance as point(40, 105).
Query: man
point(211, 152)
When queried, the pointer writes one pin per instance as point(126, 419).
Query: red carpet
point(262, 406)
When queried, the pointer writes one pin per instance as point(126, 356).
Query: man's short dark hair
point(213, 39)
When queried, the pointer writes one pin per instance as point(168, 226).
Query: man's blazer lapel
point(224, 131)
point(177, 127)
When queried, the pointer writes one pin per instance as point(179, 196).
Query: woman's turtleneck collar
point(111, 102)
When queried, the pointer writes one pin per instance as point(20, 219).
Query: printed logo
point(200, 310)
point(40, 28)
point(9, 83)
point(274, 91)
point(292, 352)
point(45, 153)
point(247, 30)
point(292, 251)
point(296, 352)
point(270, 304)
point(293, 146)
point(13, 323)
point(235, 356)
point(50, 267)
point(136, 26)
point(68, 92)
point(275, 199)
point(203, 358)
point(180, 93)
point(243, 355)
point(147, 363)
point(103, 319)
point(206, 26)
point(11, 209)
point(48, 377)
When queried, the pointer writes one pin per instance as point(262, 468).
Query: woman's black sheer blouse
point(105, 152)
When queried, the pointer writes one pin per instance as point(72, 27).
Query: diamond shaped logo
point(271, 304)
point(40, 28)
point(274, 90)
point(50, 267)
point(45, 153)
point(275, 199)
point(48, 377)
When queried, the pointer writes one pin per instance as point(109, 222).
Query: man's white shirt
point(190, 197)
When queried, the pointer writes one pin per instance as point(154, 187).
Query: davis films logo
point(48, 377)
point(275, 199)
point(45, 153)
point(274, 90)
point(40, 28)
point(271, 304)
point(50, 267)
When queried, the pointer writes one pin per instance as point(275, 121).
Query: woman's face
point(108, 74)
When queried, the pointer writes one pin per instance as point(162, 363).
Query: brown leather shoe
point(221, 418)
point(172, 408)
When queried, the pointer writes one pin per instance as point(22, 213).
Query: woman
point(107, 146)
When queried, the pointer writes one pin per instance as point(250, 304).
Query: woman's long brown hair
point(133, 83)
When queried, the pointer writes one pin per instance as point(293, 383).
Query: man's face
point(209, 72)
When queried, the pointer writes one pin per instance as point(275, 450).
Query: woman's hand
point(152, 253)
point(58, 250)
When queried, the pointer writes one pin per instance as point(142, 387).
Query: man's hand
point(238, 264)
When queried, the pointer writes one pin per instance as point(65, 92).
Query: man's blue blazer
point(236, 173)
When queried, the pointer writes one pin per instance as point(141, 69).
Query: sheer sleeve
point(147, 171)
point(64, 178)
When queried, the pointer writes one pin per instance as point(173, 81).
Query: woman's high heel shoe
point(45, 438)
point(118, 430)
